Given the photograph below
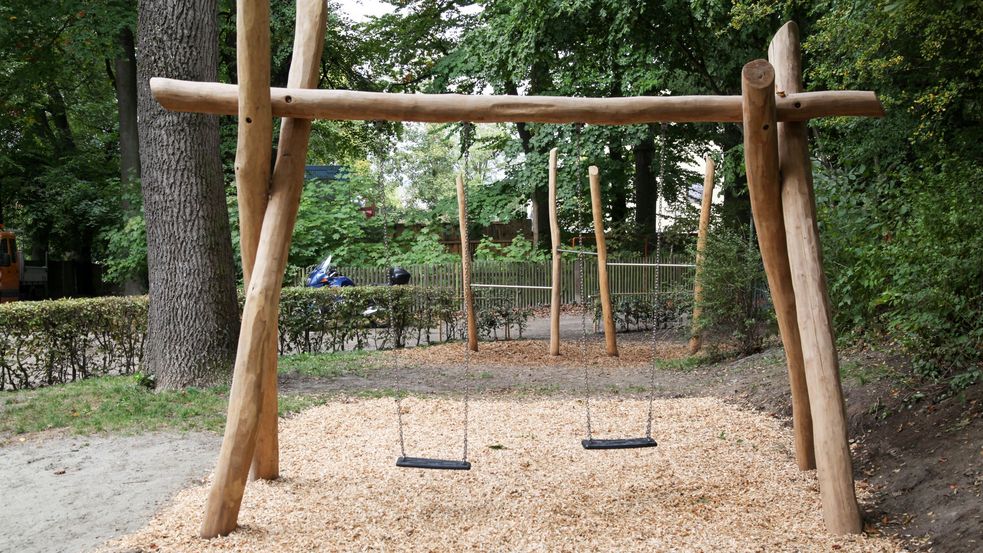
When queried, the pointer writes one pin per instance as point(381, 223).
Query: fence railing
point(676, 271)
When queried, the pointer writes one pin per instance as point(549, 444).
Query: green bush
point(49, 342)
point(637, 312)
point(333, 319)
point(735, 297)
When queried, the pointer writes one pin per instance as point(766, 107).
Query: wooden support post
point(252, 173)
point(294, 133)
point(836, 485)
point(258, 330)
point(597, 208)
point(696, 337)
point(554, 247)
point(462, 216)
point(761, 157)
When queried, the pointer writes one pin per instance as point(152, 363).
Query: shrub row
point(52, 342)
point(49, 342)
point(670, 309)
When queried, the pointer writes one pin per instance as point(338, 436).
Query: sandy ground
point(71, 493)
point(722, 479)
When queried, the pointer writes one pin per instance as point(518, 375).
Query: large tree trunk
point(645, 185)
point(194, 317)
point(125, 77)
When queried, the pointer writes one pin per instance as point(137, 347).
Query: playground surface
point(722, 479)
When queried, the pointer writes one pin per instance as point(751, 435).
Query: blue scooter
point(325, 275)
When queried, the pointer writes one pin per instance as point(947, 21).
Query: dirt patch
point(72, 493)
point(721, 480)
point(917, 450)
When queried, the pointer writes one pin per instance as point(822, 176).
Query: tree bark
point(125, 81)
point(194, 317)
point(645, 185)
point(126, 100)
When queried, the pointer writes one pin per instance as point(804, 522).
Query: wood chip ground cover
point(721, 479)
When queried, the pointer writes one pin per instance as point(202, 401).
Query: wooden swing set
point(772, 107)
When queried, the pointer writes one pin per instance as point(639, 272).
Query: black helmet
point(398, 276)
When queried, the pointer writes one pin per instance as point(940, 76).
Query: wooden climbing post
point(696, 336)
point(258, 329)
point(822, 372)
point(610, 338)
point(554, 247)
point(761, 156)
point(462, 215)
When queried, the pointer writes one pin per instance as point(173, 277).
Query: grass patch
point(862, 373)
point(121, 404)
point(685, 364)
point(328, 365)
point(113, 403)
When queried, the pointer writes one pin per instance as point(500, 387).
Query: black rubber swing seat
point(620, 443)
point(438, 464)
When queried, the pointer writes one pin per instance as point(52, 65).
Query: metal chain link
point(657, 306)
point(467, 135)
point(583, 285)
point(390, 309)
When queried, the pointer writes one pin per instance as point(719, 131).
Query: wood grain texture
point(555, 298)
point(761, 159)
point(305, 72)
point(597, 211)
point(835, 466)
point(221, 99)
point(696, 337)
point(462, 216)
point(258, 329)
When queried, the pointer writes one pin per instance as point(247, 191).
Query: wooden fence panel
point(624, 280)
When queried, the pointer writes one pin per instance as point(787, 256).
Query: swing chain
point(390, 305)
point(467, 137)
point(657, 307)
point(578, 127)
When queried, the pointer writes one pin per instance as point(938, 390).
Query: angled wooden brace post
point(259, 316)
point(822, 370)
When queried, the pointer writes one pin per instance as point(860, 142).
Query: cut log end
point(759, 74)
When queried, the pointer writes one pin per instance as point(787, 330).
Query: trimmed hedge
point(50, 342)
point(57, 341)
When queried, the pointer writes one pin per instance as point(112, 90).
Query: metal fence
point(675, 272)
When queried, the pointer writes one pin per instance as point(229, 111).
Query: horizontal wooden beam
point(223, 99)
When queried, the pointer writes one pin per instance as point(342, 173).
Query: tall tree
point(193, 320)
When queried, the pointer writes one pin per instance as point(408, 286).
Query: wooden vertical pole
point(610, 338)
point(462, 216)
point(258, 329)
point(305, 72)
point(836, 485)
point(252, 174)
point(696, 337)
point(761, 156)
point(555, 299)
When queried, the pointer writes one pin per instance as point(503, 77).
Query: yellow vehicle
point(18, 281)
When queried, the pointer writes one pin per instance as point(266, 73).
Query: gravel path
point(67, 494)
point(722, 479)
